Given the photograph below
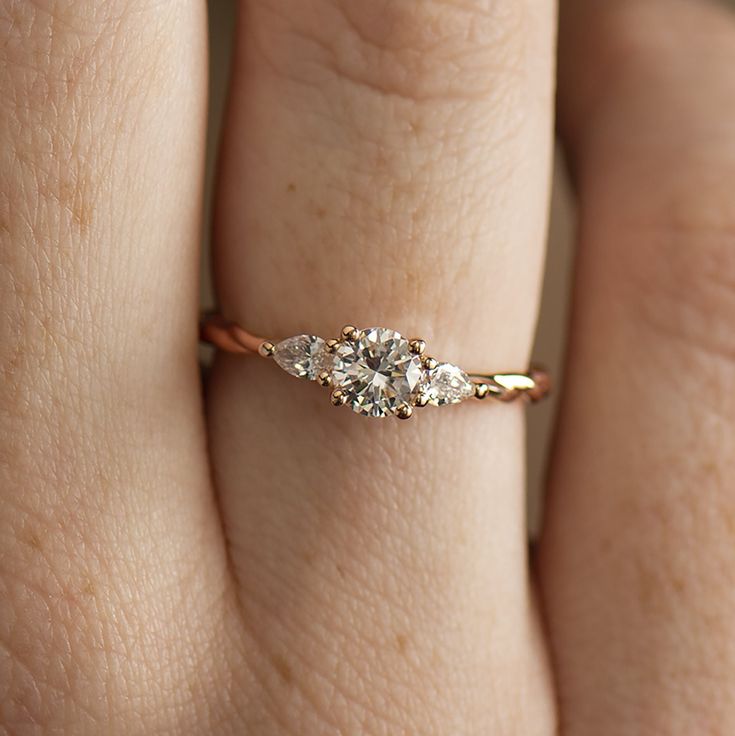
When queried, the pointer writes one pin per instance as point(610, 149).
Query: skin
point(257, 562)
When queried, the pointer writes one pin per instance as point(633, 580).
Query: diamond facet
point(304, 356)
point(448, 384)
point(377, 372)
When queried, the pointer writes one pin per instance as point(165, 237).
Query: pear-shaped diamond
point(448, 384)
point(304, 356)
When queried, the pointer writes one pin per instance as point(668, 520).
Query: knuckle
point(418, 50)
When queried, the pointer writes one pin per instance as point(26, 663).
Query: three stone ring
point(376, 371)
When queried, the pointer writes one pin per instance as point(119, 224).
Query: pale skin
point(262, 563)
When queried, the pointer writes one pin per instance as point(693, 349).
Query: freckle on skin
point(34, 541)
point(321, 213)
point(648, 588)
point(291, 187)
point(402, 643)
point(88, 587)
point(283, 668)
point(341, 571)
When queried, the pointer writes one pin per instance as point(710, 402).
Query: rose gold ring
point(376, 371)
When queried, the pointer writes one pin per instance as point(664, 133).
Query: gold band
point(533, 385)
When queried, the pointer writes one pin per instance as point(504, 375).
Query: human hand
point(285, 568)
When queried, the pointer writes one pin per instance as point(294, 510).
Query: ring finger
point(384, 163)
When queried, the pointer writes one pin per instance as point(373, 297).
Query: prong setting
point(266, 349)
point(332, 345)
point(324, 379)
point(429, 363)
point(417, 346)
point(422, 400)
point(338, 397)
point(350, 332)
point(404, 411)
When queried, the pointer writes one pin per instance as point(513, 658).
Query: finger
point(637, 549)
point(384, 164)
point(103, 481)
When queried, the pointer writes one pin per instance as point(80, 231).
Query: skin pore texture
point(248, 560)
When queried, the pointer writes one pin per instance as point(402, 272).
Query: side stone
point(448, 384)
point(303, 356)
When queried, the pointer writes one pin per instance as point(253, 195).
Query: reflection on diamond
point(304, 356)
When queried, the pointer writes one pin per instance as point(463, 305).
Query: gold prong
point(404, 411)
point(324, 379)
point(349, 332)
point(266, 349)
point(338, 397)
point(429, 363)
point(332, 345)
point(481, 390)
point(421, 400)
point(417, 346)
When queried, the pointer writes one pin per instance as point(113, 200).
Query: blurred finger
point(637, 549)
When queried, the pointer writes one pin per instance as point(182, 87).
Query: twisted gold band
point(417, 379)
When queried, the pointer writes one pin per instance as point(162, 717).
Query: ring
point(376, 371)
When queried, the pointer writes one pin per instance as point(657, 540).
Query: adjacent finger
point(106, 527)
point(384, 164)
point(637, 552)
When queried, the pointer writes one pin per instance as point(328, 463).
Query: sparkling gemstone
point(377, 372)
point(304, 356)
point(448, 384)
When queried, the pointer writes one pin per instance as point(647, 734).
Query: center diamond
point(377, 372)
